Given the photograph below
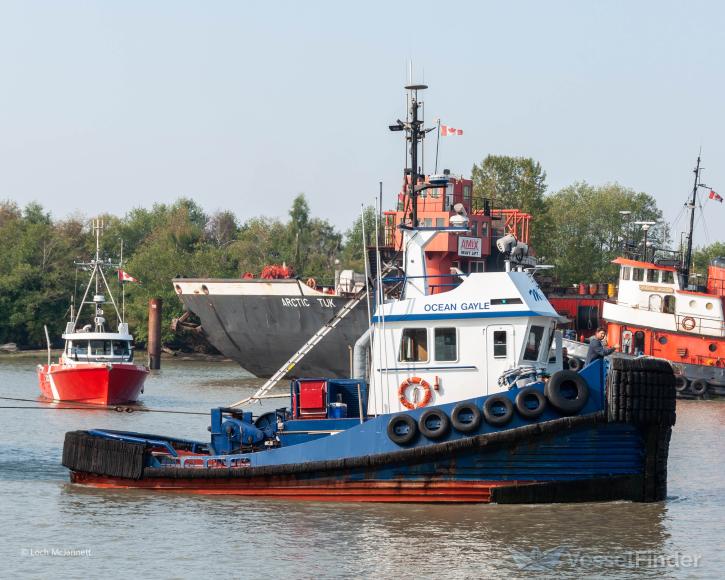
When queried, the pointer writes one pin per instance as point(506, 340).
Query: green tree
point(701, 258)
point(353, 252)
point(588, 230)
point(515, 183)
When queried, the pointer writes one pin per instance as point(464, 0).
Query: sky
point(106, 106)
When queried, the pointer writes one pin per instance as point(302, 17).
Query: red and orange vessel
point(96, 366)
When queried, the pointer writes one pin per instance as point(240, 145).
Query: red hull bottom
point(328, 490)
point(98, 384)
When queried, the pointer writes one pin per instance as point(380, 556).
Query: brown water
point(49, 528)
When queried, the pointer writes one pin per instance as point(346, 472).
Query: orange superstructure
point(449, 252)
point(654, 315)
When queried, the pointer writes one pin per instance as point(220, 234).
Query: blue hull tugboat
point(455, 398)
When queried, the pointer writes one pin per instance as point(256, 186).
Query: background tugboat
point(96, 365)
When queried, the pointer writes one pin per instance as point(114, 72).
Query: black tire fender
point(494, 419)
point(681, 383)
point(402, 420)
point(466, 409)
point(554, 392)
point(444, 424)
point(575, 364)
point(527, 394)
point(698, 387)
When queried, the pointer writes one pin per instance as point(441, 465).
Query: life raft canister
point(688, 323)
point(427, 393)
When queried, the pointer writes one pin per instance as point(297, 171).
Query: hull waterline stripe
point(409, 317)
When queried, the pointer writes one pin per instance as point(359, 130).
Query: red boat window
point(100, 348)
point(653, 276)
point(668, 277)
point(638, 274)
point(626, 271)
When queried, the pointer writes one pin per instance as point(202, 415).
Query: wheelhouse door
point(500, 353)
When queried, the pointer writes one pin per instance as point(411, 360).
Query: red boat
point(96, 366)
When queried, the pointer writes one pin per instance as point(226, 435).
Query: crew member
point(565, 358)
point(597, 346)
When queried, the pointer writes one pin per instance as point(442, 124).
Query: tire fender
point(562, 381)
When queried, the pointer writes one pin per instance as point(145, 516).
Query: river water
point(50, 528)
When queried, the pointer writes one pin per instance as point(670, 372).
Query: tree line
point(578, 229)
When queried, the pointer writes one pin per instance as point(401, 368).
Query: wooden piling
point(154, 340)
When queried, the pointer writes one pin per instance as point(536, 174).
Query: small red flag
point(715, 196)
point(124, 277)
point(444, 130)
point(460, 132)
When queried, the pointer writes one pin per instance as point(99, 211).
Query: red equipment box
point(313, 399)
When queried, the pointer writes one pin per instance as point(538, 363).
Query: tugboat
point(658, 312)
point(460, 403)
point(96, 365)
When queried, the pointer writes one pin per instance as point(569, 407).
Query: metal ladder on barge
point(304, 350)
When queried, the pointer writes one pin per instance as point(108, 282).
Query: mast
point(691, 205)
point(414, 135)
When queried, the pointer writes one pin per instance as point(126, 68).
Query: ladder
point(303, 351)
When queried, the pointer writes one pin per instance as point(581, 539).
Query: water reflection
point(146, 534)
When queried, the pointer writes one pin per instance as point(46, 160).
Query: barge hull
point(261, 333)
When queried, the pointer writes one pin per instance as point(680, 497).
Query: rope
point(89, 406)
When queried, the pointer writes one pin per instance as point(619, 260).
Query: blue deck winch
point(232, 430)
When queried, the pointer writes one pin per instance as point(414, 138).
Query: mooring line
point(89, 406)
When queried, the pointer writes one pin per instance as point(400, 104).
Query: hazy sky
point(107, 105)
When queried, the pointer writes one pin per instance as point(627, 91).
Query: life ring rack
point(423, 384)
point(688, 323)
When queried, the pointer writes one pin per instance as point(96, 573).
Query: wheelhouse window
point(477, 266)
point(445, 344)
point(120, 348)
point(500, 345)
point(414, 345)
point(100, 348)
point(638, 274)
point(668, 277)
point(653, 276)
point(440, 222)
point(626, 272)
point(533, 343)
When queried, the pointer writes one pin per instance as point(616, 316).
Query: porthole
point(692, 303)
point(662, 340)
point(712, 347)
point(708, 305)
point(204, 289)
point(178, 289)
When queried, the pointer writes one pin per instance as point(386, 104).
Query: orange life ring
point(312, 283)
point(427, 393)
point(688, 323)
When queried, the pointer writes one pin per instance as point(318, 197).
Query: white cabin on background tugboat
point(654, 315)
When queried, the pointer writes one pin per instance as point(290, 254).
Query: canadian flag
point(446, 131)
point(715, 196)
point(125, 277)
